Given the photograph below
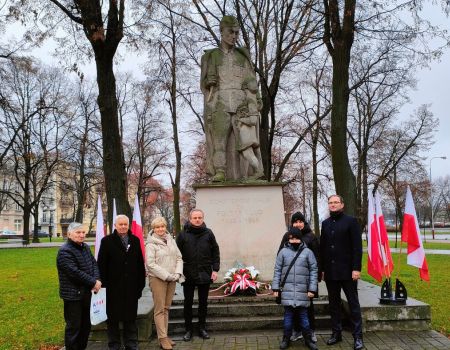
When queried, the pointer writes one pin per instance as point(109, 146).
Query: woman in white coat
point(165, 268)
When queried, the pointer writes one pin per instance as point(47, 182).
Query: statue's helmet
point(228, 21)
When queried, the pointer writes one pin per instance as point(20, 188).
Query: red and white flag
point(375, 264)
point(100, 230)
point(114, 214)
point(411, 235)
point(388, 265)
point(136, 225)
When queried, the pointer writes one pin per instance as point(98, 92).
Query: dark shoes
point(335, 338)
point(284, 342)
point(358, 344)
point(311, 345)
point(187, 336)
point(202, 333)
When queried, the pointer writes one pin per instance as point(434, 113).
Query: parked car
point(41, 233)
point(7, 234)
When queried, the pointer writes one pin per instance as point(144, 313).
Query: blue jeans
point(289, 320)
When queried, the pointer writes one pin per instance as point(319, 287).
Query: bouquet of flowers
point(241, 281)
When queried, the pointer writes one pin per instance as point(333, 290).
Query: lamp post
point(431, 196)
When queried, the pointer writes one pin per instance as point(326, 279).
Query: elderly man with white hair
point(122, 271)
point(78, 276)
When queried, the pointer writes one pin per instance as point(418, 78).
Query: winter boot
point(309, 342)
point(284, 342)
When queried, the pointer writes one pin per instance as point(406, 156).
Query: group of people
point(303, 261)
point(193, 260)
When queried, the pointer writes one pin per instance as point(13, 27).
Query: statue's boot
point(219, 177)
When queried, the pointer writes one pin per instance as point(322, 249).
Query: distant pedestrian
point(340, 258)
point(297, 267)
point(165, 268)
point(201, 262)
point(78, 276)
point(122, 271)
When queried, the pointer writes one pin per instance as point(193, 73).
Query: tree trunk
point(113, 158)
point(315, 184)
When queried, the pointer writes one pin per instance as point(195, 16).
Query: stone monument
point(245, 213)
point(231, 109)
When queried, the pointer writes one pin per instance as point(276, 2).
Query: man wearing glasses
point(340, 257)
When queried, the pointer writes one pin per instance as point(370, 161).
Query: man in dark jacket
point(78, 275)
point(340, 266)
point(201, 262)
point(299, 223)
point(122, 271)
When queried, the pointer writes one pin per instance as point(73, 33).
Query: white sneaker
point(296, 336)
point(313, 337)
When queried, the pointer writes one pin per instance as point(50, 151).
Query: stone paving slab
point(265, 340)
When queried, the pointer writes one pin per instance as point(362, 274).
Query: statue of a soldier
point(231, 109)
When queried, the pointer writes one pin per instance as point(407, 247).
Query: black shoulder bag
point(278, 298)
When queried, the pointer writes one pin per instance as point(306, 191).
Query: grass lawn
point(433, 293)
point(427, 245)
point(31, 313)
point(30, 308)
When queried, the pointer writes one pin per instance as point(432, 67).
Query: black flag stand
point(400, 296)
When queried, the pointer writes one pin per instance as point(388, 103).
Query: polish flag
point(411, 235)
point(388, 265)
point(114, 214)
point(100, 230)
point(374, 248)
point(136, 225)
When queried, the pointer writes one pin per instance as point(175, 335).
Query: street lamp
point(431, 197)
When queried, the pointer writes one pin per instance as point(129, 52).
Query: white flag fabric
point(114, 215)
point(374, 249)
point(100, 231)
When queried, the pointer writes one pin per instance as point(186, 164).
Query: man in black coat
point(122, 271)
point(301, 227)
point(78, 276)
point(340, 266)
point(201, 262)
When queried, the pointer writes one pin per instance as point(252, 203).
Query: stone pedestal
point(248, 222)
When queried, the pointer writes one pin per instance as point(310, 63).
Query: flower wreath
point(241, 280)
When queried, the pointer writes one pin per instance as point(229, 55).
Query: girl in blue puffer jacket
point(300, 285)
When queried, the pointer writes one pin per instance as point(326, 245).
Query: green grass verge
point(30, 308)
point(427, 245)
point(433, 293)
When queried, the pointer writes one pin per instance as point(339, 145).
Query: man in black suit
point(340, 266)
point(122, 270)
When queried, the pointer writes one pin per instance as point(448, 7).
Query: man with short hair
point(78, 276)
point(340, 266)
point(122, 269)
point(201, 262)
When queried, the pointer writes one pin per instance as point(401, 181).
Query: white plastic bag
point(98, 307)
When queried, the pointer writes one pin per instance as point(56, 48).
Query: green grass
point(427, 245)
point(30, 308)
point(434, 293)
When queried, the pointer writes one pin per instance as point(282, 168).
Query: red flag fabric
point(388, 265)
point(374, 261)
point(411, 235)
point(136, 225)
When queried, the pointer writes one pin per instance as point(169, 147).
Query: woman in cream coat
point(165, 268)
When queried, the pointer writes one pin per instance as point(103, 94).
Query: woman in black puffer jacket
point(78, 276)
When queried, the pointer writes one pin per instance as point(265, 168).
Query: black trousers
point(130, 335)
point(188, 291)
point(350, 289)
point(78, 323)
point(311, 318)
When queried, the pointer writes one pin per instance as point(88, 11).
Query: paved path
point(270, 339)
